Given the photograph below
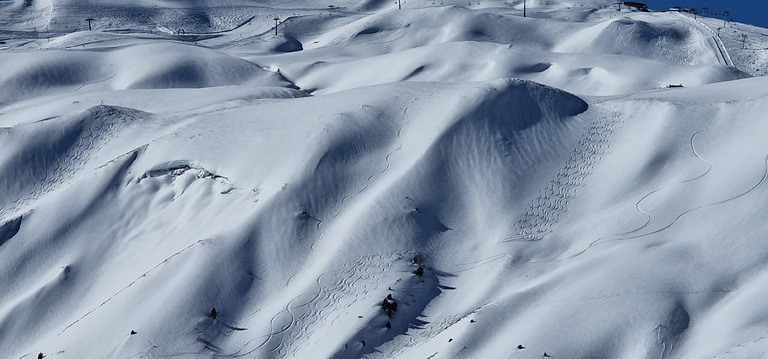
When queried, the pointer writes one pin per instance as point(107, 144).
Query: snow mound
point(146, 66)
point(26, 75)
point(420, 27)
point(447, 180)
point(411, 45)
point(177, 66)
point(652, 37)
point(478, 61)
point(148, 169)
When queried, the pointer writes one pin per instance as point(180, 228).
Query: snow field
point(507, 180)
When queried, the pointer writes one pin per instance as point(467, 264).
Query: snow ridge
point(288, 179)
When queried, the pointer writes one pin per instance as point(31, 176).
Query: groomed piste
point(362, 179)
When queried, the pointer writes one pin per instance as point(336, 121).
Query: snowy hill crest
point(449, 179)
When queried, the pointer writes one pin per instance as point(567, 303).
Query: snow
point(508, 180)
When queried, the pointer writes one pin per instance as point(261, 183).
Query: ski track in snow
point(296, 324)
point(650, 194)
point(721, 52)
point(387, 163)
point(742, 346)
point(360, 191)
point(97, 129)
point(311, 311)
point(623, 39)
point(626, 235)
point(552, 202)
point(114, 74)
point(126, 287)
point(343, 286)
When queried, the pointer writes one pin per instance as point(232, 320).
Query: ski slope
point(182, 182)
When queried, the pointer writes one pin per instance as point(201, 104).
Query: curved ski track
point(97, 131)
point(623, 236)
point(545, 211)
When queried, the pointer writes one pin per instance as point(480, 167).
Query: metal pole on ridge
point(277, 21)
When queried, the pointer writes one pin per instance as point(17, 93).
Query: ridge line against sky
point(753, 12)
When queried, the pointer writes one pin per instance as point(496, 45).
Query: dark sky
point(753, 12)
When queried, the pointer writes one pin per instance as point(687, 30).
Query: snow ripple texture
point(552, 202)
point(89, 135)
point(309, 311)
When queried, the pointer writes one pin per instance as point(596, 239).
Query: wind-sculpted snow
point(149, 66)
point(449, 179)
point(650, 37)
point(318, 208)
point(403, 46)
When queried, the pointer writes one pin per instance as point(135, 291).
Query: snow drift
point(446, 180)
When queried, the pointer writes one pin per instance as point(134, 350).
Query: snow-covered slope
point(446, 180)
